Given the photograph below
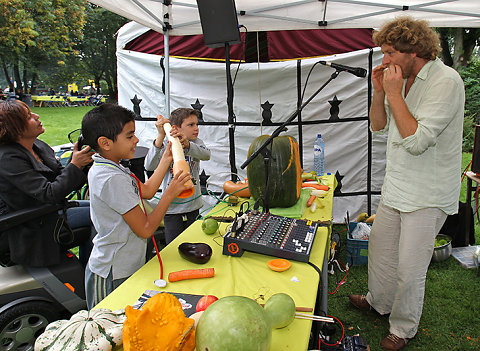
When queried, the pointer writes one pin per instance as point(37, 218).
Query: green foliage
point(471, 79)
point(468, 133)
point(98, 49)
point(34, 32)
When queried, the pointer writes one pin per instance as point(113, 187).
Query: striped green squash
point(94, 330)
point(285, 181)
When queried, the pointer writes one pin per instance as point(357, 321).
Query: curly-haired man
point(419, 102)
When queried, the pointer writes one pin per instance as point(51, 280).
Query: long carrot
point(191, 274)
point(311, 200)
point(315, 186)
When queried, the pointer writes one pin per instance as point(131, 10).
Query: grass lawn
point(59, 121)
point(451, 314)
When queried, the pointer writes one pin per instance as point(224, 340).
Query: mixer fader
point(270, 235)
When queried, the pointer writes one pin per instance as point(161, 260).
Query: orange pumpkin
point(160, 325)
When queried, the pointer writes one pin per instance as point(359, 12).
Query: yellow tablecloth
point(51, 100)
point(40, 100)
point(246, 276)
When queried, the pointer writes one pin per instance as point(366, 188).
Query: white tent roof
point(302, 14)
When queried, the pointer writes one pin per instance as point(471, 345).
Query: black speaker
point(219, 22)
point(476, 151)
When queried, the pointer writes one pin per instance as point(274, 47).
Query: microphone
point(357, 71)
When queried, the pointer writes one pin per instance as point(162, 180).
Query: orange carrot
point(310, 200)
point(316, 186)
point(191, 274)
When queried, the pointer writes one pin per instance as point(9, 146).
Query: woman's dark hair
point(180, 114)
point(14, 115)
point(106, 120)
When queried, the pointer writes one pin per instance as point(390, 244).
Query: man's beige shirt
point(424, 169)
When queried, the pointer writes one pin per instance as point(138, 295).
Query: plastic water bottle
point(319, 155)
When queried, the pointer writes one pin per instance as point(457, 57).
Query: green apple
point(209, 226)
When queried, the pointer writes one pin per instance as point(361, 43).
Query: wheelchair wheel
point(85, 194)
point(20, 325)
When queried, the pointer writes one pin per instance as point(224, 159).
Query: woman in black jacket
point(30, 176)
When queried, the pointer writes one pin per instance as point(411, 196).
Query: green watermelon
point(285, 173)
point(233, 323)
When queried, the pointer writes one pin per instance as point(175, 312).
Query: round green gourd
point(94, 330)
point(233, 323)
point(285, 181)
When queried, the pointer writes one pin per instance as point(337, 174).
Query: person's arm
point(155, 152)
point(158, 142)
point(150, 187)
point(81, 158)
point(393, 85)
point(19, 171)
point(378, 116)
point(198, 150)
point(144, 226)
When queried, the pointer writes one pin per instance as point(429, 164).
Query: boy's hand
point(81, 158)
point(177, 184)
point(181, 137)
point(159, 123)
point(167, 157)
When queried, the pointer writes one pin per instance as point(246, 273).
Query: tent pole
point(166, 47)
point(166, 41)
point(231, 115)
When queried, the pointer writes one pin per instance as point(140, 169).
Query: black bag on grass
point(454, 226)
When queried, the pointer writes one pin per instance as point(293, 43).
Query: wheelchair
point(32, 297)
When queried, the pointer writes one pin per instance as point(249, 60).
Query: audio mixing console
point(269, 234)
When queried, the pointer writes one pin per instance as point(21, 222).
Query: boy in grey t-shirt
point(116, 200)
point(182, 212)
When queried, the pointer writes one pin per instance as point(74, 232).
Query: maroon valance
point(282, 45)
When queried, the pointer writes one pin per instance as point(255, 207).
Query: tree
point(458, 45)
point(37, 31)
point(98, 49)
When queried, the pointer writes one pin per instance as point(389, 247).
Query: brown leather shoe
point(393, 342)
point(360, 302)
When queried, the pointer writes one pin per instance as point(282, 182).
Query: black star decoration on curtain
point(338, 189)
point(334, 109)
point(203, 181)
point(198, 106)
point(136, 105)
point(267, 113)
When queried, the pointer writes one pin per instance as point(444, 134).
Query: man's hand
point(377, 78)
point(393, 80)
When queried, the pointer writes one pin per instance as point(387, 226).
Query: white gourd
point(179, 162)
point(177, 149)
point(95, 330)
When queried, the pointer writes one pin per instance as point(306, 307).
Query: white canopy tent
point(350, 148)
point(182, 17)
point(303, 14)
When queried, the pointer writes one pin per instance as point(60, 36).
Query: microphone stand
point(267, 153)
